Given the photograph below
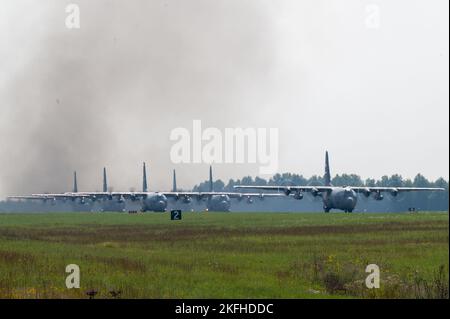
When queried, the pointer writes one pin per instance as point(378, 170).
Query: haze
point(109, 93)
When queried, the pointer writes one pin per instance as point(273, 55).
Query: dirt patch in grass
point(12, 257)
point(144, 233)
point(123, 263)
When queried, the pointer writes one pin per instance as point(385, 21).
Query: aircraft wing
point(112, 195)
point(319, 189)
point(25, 197)
point(288, 189)
point(64, 196)
point(208, 194)
point(139, 195)
point(394, 190)
point(249, 195)
point(49, 196)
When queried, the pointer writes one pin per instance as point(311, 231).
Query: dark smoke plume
point(109, 93)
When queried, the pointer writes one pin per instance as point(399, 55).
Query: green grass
point(224, 255)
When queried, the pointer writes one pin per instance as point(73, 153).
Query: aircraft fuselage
point(219, 203)
point(343, 198)
point(154, 202)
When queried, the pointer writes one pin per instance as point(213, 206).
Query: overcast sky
point(367, 80)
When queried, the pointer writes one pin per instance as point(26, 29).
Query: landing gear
point(348, 210)
point(326, 209)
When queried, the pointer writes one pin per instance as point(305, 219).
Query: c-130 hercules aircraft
point(150, 201)
point(334, 197)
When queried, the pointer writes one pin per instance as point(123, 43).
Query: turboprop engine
point(394, 192)
point(378, 196)
point(298, 195)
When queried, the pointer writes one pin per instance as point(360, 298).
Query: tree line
point(422, 200)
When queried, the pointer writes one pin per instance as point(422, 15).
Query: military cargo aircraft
point(334, 197)
point(215, 201)
point(150, 201)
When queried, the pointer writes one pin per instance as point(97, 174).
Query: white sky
point(111, 92)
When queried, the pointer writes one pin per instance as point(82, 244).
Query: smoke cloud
point(110, 92)
point(373, 90)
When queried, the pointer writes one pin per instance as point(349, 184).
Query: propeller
point(396, 196)
point(315, 196)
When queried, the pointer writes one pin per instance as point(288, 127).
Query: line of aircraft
point(333, 197)
point(336, 197)
point(149, 201)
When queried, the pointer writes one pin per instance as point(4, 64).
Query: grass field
point(225, 255)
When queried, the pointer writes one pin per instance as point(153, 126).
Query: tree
point(420, 200)
point(260, 181)
point(370, 182)
point(395, 181)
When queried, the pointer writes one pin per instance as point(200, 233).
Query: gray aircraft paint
point(343, 198)
point(184, 199)
point(150, 201)
point(144, 179)
point(338, 197)
point(217, 203)
point(75, 184)
point(105, 181)
point(153, 201)
point(106, 204)
point(174, 185)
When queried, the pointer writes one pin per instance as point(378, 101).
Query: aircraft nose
point(161, 205)
point(225, 205)
point(350, 202)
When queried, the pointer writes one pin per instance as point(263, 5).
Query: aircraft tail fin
point(174, 187)
point(105, 180)
point(211, 188)
point(144, 179)
point(327, 176)
point(75, 184)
